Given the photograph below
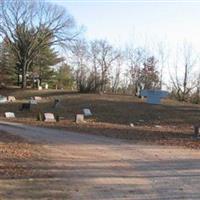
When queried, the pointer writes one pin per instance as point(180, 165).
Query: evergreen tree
point(7, 64)
point(42, 65)
point(64, 77)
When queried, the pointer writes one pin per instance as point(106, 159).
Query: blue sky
point(123, 21)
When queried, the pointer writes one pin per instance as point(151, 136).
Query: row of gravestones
point(33, 100)
point(4, 99)
point(153, 97)
point(50, 117)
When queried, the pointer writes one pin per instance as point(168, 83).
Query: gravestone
point(87, 112)
point(39, 87)
point(154, 96)
point(56, 103)
point(79, 118)
point(139, 88)
point(33, 102)
point(3, 99)
point(196, 132)
point(26, 106)
point(11, 99)
point(37, 98)
point(49, 117)
point(46, 86)
point(9, 115)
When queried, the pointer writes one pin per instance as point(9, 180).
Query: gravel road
point(90, 167)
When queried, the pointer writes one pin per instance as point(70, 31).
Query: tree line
point(30, 32)
point(34, 32)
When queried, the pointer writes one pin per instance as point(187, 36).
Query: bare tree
point(163, 55)
point(184, 83)
point(105, 58)
point(116, 73)
point(135, 59)
point(79, 59)
point(28, 26)
point(93, 54)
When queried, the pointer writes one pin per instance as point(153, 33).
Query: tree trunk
point(25, 67)
point(24, 80)
point(18, 79)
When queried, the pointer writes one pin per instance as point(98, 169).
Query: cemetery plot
point(120, 116)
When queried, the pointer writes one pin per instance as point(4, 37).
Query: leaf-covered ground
point(17, 157)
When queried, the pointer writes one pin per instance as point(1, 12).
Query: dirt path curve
point(91, 167)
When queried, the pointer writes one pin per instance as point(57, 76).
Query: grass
point(168, 123)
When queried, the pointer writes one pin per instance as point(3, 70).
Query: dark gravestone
point(56, 103)
point(40, 117)
point(26, 106)
point(196, 132)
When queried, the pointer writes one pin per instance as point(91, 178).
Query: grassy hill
point(168, 123)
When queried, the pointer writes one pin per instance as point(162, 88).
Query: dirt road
point(91, 167)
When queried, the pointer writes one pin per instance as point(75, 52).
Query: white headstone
point(33, 102)
point(37, 98)
point(154, 96)
point(49, 117)
point(9, 115)
point(46, 86)
point(87, 112)
point(80, 118)
point(11, 99)
point(3, 99)
point(39, 87)
point(132, 125)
